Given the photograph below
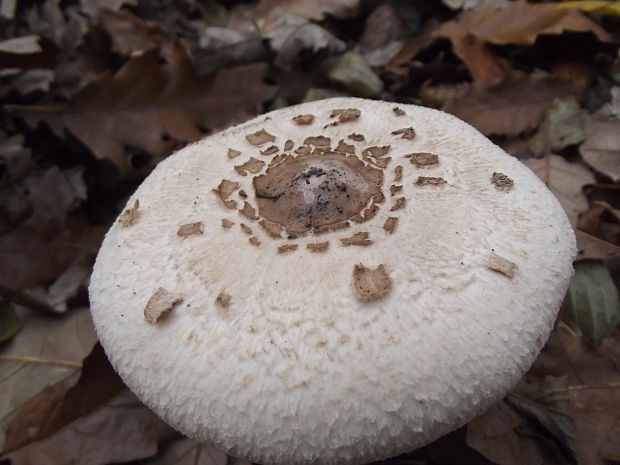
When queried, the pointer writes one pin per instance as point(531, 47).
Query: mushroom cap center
point(316, 191)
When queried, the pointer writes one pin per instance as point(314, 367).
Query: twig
point(41, 361)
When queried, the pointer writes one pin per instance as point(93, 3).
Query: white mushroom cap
point(418, 314)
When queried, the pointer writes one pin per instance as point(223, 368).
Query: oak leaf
point(150, 106)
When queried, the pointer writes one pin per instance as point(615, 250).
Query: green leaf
point(592, 302)
point(10, 324)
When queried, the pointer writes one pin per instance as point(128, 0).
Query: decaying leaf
point(146, 99)
point(160, 304)
point(563, 126)
point(565, 180)
point(592, 301)
point(592, 248)
point(44, 352)
point(315, 11)
point(601, 150)
point(512, 106)
point(185, 451)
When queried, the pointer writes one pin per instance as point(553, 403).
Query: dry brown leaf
point(314, 11)
point(565, 180)
point(520, 23)
point(149, 105)
point(493, 435)
point(185, 451)
point(44, 352)
point(123, 430)
point(94, 7)
point(592, 248)
point(601, 150)
point(512, 106)
point(131, 35)
point(59, 404)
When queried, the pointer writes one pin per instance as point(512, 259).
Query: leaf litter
point(108, 88)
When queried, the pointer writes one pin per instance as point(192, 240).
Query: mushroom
point(332, 352)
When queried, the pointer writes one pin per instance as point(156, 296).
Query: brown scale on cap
point(227, 224)
point(360, 238)
point(502, 182)
point(303, 119)
point(390, 224)
point(269, 150)
point(254, 241)
point(246, 229)
point(344, 147)
point(405, 133)
point(501, 265)
point(371, 284)
point(429, 181)
point(287, 248)
point(398, 112)
point(423, 159)
point(272, 229)
point(130, 215)
point(356, 137)
point(233, 153)
point(374, 155)
point(344, 115)
point(253, 166)
point(303, 150)
point(260, 137)
point(316, 192)
point(223, 300)
point(399, 204)
point(288, 145)
point(224, 190)
point(398, 173)
point(318, 246)
point(318, 141)
point(248, 211)
point(160, 304)
point(394, 189)
point(190, 229)
point(243, 194)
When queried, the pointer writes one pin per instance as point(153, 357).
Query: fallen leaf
point(592, 303)
point(147, 104)
point(546, 403)
point(353, 72)
point(494, 435)
point(44, 352)
point(123, 430)
point(314, 11)
point(10, 324)
point(601, 150)
point(592, 248)
point(94, 7)
point(33, 80)
point(565, 180)
point(382, 36)
point(509, 107)
point(289, 35)
point(65, 401)
point(185, 451)
point(131, 35)
point(24, 45)
point(471, 4)
point(521, 23)
point(64, 287)
point(563, 126)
